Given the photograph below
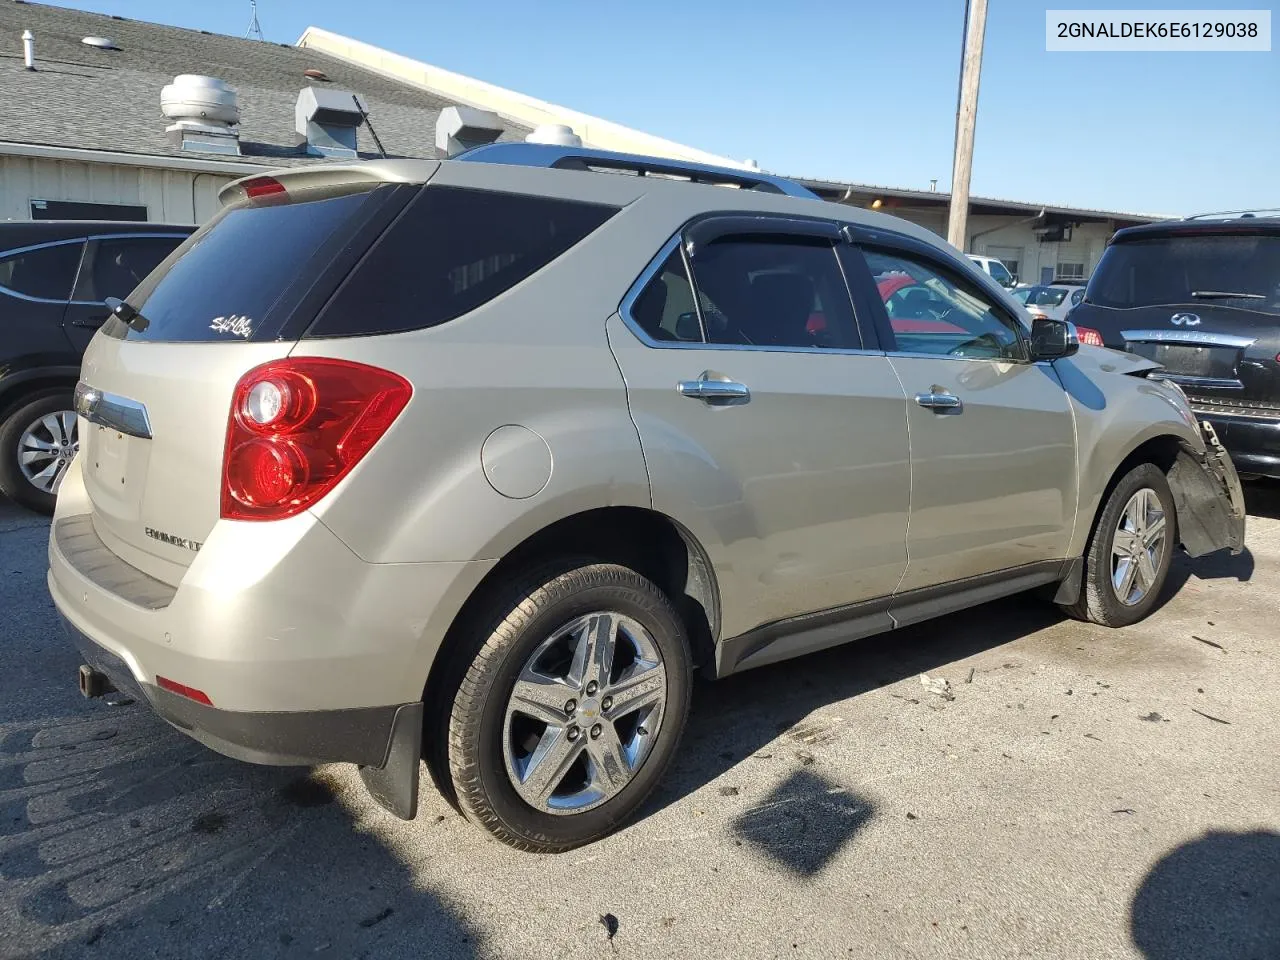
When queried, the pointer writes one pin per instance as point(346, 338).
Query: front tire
point(572, 708)
point(1130, 551)
point(38, 439)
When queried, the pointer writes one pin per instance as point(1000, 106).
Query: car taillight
point(297, 426)
point(1089, 336)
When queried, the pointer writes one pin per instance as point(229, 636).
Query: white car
point(996, 270)
point(1052, 301)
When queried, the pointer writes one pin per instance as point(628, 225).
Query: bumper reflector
point(182, 690)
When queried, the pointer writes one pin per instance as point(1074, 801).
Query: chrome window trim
point(113, 411)
point(651, 270)
point(1192, 338)
point(917, 355)
point(15, 251)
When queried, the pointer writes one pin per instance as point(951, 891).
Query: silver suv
point(477, 462)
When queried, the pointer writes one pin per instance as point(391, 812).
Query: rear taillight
point(297, 426)
point(1089, 337)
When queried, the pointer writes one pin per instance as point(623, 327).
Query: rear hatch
point(1205, 304)
point(238, 293)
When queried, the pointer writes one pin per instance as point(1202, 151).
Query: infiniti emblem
point(1185, 320)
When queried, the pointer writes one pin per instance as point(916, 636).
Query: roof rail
point(1237, 214)
point(586, 158)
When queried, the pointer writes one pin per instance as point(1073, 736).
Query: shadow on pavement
point(1262, 499)
point(1215, 898)
point(119, 834)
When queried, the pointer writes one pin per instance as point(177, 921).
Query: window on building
point(79, 210)
point(1070, 271)
point(766, 292)
point(933, 311)
point(45, 272)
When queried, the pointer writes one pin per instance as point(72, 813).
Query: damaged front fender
point(1208, 496)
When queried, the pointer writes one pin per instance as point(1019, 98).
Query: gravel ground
point(1085, 794)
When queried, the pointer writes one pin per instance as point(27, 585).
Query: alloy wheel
point(1138, 546)
point(46, 448)
point(584, 713)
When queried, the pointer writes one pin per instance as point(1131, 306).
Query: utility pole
point(966, 118)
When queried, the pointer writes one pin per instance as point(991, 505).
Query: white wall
point(170, 196)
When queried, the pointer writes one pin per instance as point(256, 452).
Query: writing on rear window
point(237, 326)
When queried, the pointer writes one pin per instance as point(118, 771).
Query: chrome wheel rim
point(46, 448)
point(1137, 547)
point(584, 713)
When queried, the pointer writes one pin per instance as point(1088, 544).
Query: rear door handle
point(939, 400)
point(715, 390)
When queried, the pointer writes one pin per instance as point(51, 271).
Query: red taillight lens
point(297, 426)
point(261, 187)
point(182, 690)
point(1089, 336)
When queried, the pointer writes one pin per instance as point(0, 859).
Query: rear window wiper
point(127, 313)
point(1225, 295)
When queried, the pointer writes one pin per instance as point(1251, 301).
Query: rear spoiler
point(294, 180)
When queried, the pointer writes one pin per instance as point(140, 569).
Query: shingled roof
point(88, 98)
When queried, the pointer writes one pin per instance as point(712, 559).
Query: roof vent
point(461, 128)
point(311, 73)
point(205, 112)
point(556, 133)
point(326, 122)
point(101, 43)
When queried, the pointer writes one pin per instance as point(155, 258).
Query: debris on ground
point(610, 924)
point(1226, 723)
point(938, 686)
point(1152, 717)
point(1125, 810)
point(728, 791)
point(1209, 643)
point(969, 678)
point(377, 918)
point(1093, 737)
point(805, 758)
point(912, 816)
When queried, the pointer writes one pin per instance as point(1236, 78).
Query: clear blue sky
point(845, 89)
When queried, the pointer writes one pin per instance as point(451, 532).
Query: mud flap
point(1208, 496)
point(394, 785)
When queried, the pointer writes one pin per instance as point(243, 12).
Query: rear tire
point(552, 744)
point(42, 420)
point(1120, 586)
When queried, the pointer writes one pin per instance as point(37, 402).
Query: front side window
point(1000, 274)
point(932, 311)
point(45, 272)
point(766, 292)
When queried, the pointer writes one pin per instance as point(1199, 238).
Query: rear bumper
point(301, 738)
point(1253, 442)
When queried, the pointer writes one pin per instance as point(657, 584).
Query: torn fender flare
point(1208, 496)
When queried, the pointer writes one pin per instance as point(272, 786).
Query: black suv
point(54, 279)
point(1202, 297)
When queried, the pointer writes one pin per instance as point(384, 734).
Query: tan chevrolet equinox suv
point(476, 462)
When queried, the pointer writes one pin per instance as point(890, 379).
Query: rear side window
point(115, 266)
point(234, 271)
point(451, 251)
point(664, 310)
point(1234, 270)
point(771, 293)
point(45, 272)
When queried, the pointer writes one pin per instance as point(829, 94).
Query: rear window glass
point(1231, 270)
point(452, 250)
point(233, 273)
point(1045, 297)
point(46, 272)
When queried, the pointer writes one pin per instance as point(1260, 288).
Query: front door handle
point(92, 322)
point(715, 389)
point(939, 400)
